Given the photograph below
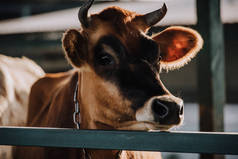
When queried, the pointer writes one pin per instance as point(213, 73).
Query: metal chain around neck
point(76, 114)
point(77, 120)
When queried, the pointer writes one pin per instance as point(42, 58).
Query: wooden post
point(211, 69)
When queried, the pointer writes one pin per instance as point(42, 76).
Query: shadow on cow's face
point(119, 66)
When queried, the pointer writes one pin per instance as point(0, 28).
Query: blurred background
point(34, 28)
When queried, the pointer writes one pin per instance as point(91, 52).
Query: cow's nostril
point(159, 108)
point(181, 111)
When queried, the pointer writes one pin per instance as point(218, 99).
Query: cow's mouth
point(144, 125)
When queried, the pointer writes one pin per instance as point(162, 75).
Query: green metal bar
point(188, 142)
point(211, 68)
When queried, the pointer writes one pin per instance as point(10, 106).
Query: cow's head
point(119, 65)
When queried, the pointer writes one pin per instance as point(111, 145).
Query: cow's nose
point(159, 109)
point(167, 112)
point(164, 110)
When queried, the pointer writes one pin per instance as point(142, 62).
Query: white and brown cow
point(16, 78)
point(116, 80)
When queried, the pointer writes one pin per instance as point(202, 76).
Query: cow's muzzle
point(164, 110)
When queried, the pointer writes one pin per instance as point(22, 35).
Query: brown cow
point(116, 80)
point(16, 78)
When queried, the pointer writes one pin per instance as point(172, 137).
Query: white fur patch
point(18, 75)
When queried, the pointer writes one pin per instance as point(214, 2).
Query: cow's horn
point(83, 13)
point(154, 17)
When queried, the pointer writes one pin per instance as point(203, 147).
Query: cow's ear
point(177, 45)
point(74, 47)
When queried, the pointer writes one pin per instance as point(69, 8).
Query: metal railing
point(186, 142)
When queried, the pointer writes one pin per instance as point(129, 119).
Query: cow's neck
point(112, 154)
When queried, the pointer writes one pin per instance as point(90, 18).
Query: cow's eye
point(105, 59)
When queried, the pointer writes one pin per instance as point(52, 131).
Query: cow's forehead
point(116, 21)
point(115, 15)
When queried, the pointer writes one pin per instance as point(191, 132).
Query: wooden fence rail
point(186, 142)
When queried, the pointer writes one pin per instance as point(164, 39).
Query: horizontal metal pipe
point(186, 142)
